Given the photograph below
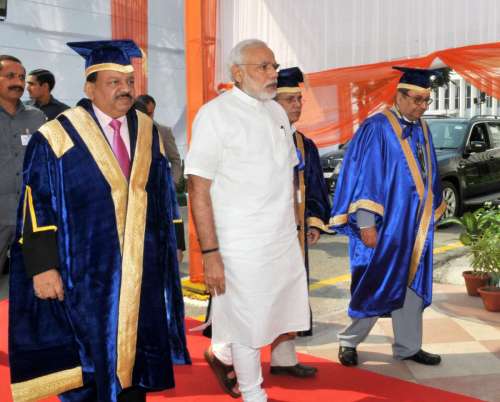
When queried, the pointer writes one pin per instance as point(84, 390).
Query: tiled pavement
point(456, 326)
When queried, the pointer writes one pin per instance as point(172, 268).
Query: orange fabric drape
point(129, 20)
point(200, 29)
point(338, 100)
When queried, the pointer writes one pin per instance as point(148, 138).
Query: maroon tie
point(119, 148)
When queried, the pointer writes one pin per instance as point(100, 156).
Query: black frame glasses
point(418, 100)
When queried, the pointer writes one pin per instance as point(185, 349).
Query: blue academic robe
point(381, 173)
point(314, 205)
point(121, 323)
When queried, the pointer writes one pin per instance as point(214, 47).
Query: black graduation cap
point(103, 55)
point(289, 79)
point(416, 79)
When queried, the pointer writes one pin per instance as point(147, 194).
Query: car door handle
point(492, 157)
point(461, 164)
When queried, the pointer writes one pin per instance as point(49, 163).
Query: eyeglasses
point(419, 100)
point(11, 76)
point(263, 67)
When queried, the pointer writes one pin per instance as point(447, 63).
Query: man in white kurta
point(243, 146)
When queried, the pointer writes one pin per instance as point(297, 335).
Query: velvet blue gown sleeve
point(173, 295)
point(41, 339)
point(38, 228)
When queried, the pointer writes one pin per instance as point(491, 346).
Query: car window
point(494, 134)
point(447, 134)
point(479, 133)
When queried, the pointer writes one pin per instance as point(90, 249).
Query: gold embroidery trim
point(312, 221)
point(109, 66)
point(133, 252)
point(369, 205)
point(28, 205)
point(438, 213)
point(338, 220)
point(47, 385)
point(301, 203)
point(57, 137)
point(410, 158)
point(177, 221)
point(425, 220)
point(103, 155)
point(288, 90)
point(412, 87)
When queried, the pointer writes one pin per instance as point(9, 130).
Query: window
point(494, 134)
point(447, 97)
point(479, 133)
point(447, 134)
point(467, 96)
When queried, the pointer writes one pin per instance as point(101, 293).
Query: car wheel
point(452, 199)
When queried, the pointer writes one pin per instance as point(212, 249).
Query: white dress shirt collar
point(104, 121)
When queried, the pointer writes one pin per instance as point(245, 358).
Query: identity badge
point(25, 138)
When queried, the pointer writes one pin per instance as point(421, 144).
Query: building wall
point(37, 32)
point(166, 65)
point(461, 99)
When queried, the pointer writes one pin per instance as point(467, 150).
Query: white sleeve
point(294, 160)
point(205, 150)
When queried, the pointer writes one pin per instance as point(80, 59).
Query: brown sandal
point(221, 371)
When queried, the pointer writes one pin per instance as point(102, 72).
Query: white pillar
point(441, 100)
point(474, 93)
point(452, 92)
point(434, 104)
point(461, 101)
point(494, 106)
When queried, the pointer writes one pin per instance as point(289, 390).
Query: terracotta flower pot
point(474, 280)
point(491, 297)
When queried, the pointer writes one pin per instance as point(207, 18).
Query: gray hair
point(237, 52)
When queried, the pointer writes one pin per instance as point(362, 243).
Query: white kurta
point(245, 147)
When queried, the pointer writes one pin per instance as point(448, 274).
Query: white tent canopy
point(323, 34)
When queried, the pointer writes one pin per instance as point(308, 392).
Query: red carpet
point(334, 382)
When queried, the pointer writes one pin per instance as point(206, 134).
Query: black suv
point(468, 153)
point(330, 163)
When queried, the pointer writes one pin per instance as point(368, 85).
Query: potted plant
point(487, 249)
point(482, 235)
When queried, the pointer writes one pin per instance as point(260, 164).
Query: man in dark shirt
point(17, 123)
point(40, 84)
point(167, 137)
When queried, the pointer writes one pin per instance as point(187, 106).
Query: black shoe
point(132, 394)
point(348, 356)
point(299, 370)
point(424, 357)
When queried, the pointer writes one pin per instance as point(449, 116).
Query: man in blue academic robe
point(388, 200)
point(96, 310)
point(312, 205)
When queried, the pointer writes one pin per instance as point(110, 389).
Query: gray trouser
point(7, 234)
point(406, 324)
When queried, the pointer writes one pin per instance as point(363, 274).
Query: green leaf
point(465, 239)
point(470, 222)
